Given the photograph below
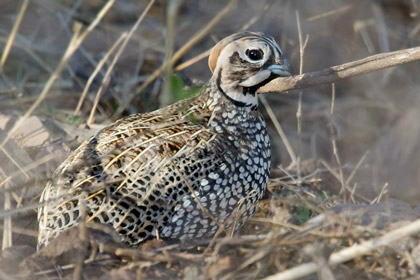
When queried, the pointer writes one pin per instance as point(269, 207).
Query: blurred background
point(376, 121)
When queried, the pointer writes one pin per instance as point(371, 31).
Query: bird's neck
point(226, 115)
point(237, 95)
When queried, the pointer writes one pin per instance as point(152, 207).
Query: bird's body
point(180, 172)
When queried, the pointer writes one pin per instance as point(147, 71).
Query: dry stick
point(337, 176)
point(22, 231)
point(334, 144)
point(74, 44)
point(178, 54)
point(106, 80)
point(257, 16)
point(13, 33)
point(351, 252)
point(279, 129)
point(356, 168)
point(31, 53)
point(7, 223)
point(330, 13)
point(346, 70)
point(96, 71)
point(299, 110)
point(206, 53)
point(383, 191)
point(193, 60)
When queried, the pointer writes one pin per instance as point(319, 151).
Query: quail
point(181, 172)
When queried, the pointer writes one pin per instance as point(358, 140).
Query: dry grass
point(341, 153)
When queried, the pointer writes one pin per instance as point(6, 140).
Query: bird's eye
point(254, 54)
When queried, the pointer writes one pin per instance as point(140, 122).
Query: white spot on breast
point(204, 182)
point(186, 203)
point(223, 203)
point(213, 175)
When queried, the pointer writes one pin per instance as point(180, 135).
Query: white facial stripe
point(256, 79)
point(248, 99)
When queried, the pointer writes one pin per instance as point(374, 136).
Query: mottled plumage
point(179, 172)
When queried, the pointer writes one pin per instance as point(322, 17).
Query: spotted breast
point(182, 172)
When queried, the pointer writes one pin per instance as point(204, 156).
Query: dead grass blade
point(279, 129)
point(350, 253)
point(74, 44)
point(96, 71)
point(178, 54)
point(106, 79)
point(13, 33)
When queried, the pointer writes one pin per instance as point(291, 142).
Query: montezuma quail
point(182, 171)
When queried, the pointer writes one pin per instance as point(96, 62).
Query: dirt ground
point(357, 178)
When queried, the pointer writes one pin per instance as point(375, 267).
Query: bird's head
point(245, 61)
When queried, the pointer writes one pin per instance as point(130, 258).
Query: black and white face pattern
point(243, 62)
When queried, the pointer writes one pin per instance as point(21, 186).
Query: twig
point(193, 60)
point(356, 168)
point(178, 54)
point(96, 71)
point(302, 46)
point(334, 144)
point(74, 44)
point(330, 13)
point(22, 231)
point(7, 224)
point(279, 129)
point(346, 70)
point(351, 252)
point(383, 191)
point(13, 34)
point(106, 79)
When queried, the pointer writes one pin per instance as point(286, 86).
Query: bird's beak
point(282, 70)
